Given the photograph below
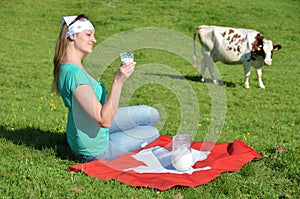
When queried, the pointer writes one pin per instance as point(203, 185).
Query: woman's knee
point(153, 114)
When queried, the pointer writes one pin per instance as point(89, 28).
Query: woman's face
point(85, 40)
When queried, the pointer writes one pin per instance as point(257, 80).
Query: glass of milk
point(127, 57)
point(182, 158)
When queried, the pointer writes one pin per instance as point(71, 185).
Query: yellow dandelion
point(52, 106)
point(248, 133)
point(199, 124)
point(245, 138)
point(23, 109)
point(42, 98)
point(51, 94)
point(15, 92)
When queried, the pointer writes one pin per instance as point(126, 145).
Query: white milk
point(127, 57)
point(182, 159)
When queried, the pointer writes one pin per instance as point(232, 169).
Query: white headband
point(77, 26)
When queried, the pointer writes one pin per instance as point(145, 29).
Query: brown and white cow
point(233, 46)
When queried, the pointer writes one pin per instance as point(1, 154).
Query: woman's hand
point(125, 71)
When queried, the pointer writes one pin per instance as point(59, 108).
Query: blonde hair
point(60, 52)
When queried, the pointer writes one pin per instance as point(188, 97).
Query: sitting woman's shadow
point(39, 140)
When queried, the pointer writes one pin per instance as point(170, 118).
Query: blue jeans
point(132, 128)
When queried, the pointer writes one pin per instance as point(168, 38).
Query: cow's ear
point(277, 47)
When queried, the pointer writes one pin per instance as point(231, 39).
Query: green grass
point(34, 154)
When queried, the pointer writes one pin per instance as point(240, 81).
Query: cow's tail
point(195, 50)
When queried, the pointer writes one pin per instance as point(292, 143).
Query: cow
point(233, 46)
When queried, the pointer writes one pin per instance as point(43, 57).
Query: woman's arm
point(104, 115)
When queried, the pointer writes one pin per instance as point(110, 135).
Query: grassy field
point(34, 154)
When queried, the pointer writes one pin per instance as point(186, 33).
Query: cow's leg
point(247, 75)
point(259, 77)
point(203, 68)
point(212, 71)
point(204, 63)
point(208, 62)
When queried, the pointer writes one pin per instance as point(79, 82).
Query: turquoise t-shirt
point(83, 134)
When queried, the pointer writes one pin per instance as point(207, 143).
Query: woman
point(120, 130)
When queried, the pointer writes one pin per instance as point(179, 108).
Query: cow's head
point(268, 49)
point(264, 48)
